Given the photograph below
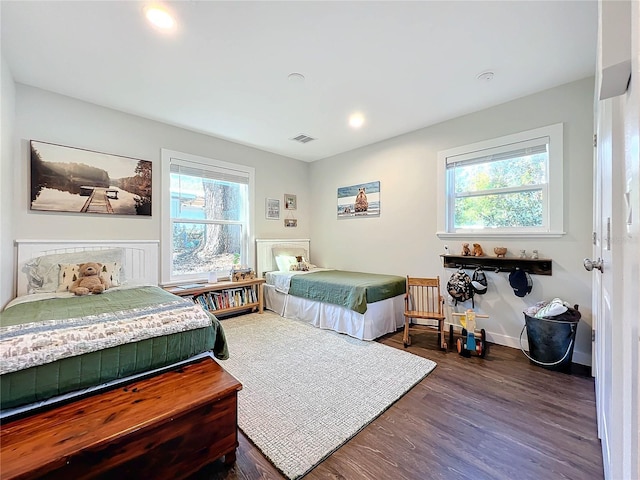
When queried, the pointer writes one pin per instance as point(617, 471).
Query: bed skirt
point(382, 317)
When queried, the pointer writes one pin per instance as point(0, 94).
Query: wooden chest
point(167, 426)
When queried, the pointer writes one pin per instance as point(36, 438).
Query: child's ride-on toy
point(471, 340)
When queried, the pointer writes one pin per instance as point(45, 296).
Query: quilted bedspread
point(36, 333)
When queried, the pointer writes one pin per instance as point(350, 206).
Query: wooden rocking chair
point(424, 303)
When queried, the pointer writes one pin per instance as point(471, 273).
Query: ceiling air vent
point(302, 138)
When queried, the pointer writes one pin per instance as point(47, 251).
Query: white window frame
point(166, 157)
point(554, 196)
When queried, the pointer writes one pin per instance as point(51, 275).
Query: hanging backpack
point(479, 282)
point(459, 286)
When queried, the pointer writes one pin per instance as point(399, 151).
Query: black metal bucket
point(551, 340)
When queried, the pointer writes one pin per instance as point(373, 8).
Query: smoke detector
point(485, 76)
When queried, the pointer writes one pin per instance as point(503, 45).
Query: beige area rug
point(306, 391)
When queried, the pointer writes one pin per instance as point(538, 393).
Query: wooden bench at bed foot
point(163, 427)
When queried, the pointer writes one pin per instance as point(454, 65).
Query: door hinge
point(595, 140)
point(593, 335)
point(594, 237)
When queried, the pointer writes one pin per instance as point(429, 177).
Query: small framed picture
point(290, 222)
point(290, 202)
point(272, 209)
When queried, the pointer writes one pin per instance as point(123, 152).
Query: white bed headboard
point(141, 256)
point(264, 256)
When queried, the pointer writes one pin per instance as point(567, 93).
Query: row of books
point(228, 298)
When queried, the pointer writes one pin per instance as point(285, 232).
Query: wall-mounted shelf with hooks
point(540, 266)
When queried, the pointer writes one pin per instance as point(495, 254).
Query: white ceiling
point(404, 65)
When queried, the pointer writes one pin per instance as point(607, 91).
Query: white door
point(615, 294)
point(616, 302)
point(602, 276)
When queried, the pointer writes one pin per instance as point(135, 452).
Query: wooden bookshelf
point(222, 298)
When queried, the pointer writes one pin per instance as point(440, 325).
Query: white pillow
point(43, 273)
point(284, 255)
point(284, 262)
point(292, 251)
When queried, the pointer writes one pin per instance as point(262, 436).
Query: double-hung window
point(206, 216)
point(507, 186)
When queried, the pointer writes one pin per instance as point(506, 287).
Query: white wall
point(45, 116)
point(403, 239)
point(7, 118)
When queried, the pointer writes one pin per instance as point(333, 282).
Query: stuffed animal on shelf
point(466, 251)
point(500, 252)
point(477, 250)
point(89, 280)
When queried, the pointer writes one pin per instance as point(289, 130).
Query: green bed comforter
point(76, 372)
point(352, 290)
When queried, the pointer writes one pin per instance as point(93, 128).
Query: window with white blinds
point(505, 185)
point(206, 216)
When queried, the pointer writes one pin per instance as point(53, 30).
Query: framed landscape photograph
point(67, 179)
point(290, 201)
point(272, 209)
point(290, 222)
point(362, 200)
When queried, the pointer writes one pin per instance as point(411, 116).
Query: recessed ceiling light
point(159, 17)
point(356, 120)
point(485, 76)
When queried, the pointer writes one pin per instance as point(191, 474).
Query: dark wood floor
point(494, 418)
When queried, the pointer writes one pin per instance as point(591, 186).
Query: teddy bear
point(300, 265)
point(89, 280)
point(477, 250)
point(466, 251)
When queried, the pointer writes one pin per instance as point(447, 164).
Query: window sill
point(478, 234)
